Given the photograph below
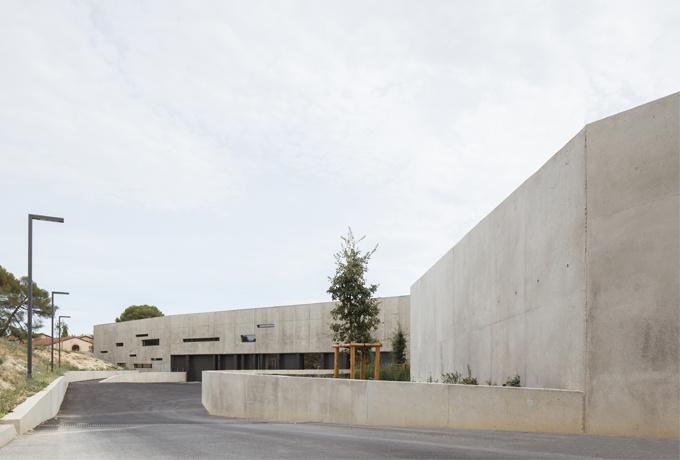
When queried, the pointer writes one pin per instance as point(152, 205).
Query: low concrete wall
point(293, 372)
point(40, 407)
point(78, 376)
point(7, 433)
point(45, 404)
point(361, 402)
point(148, 377)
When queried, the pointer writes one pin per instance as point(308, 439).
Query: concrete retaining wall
point(46, 403)
point(148, 377)
point(573, 281)
point(362, 402)
point(7, 433)
point(78, 376)
point(633, 272)
point(509, 298)
point(40, 407)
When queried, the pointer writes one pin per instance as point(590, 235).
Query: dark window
point(312, 360)
point(203, 339)
point(103, 351)
point(119, 344)
point(75, 348)
point(120, 364)
point(132, 356)
point(142, 335)
point(265, 326)
point(156, 359)
point(150, 342)
point(248, 338)
point(271, 361)
point(142, 365)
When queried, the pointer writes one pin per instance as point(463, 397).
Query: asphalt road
point(131, 421)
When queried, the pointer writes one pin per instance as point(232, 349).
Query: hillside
point(15, 387)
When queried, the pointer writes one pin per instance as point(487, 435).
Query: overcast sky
point(208, 155)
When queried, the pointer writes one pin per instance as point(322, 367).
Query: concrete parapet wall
point(147, 377)
point(78, 376)
point(7, 433)
point(40, 407)
point(294, 372)
point(361, 402)
point(45, 404)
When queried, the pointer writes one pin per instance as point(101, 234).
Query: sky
point(209, 155)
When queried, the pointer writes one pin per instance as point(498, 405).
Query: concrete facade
point(573, 282)
point(291, 337)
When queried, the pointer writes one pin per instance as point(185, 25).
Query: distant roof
point(44, 342)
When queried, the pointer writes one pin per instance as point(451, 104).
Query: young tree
point(399, 345)
point(139, 312)
point(14, 305)
point(356, 314)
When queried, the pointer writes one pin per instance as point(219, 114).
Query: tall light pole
point(60, 338)
point(31, 218)
point(52, 329)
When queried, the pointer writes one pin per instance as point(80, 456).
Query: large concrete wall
point(511, 286)
point(633, 267)
point(573, 281)
point(297, 329)
point(362, 402)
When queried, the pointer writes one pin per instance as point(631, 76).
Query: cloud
point(229, 144)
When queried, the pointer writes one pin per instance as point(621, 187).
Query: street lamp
point(60, 338)
point(31, 218)
point(52, 329)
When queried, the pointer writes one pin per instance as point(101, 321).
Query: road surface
point(134, 421)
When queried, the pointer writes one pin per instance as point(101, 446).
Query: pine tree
point(14, 305)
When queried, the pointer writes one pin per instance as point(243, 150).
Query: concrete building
point(288, 337)
point(572, 282)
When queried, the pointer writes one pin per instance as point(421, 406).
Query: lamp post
point(31, 218)
point(52, 329)
point(60, 338)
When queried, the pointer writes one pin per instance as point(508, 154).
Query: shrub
point(399, 345)
point(451, 377)
point(512, 381)
point(456, 377)
point(388, 371)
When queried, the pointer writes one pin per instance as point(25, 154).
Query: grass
point(15, 386)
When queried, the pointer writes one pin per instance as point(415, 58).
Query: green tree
point(139, 312)
point(14, 305)
point(356, 313)
point(399, 345)
point(64, 329)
